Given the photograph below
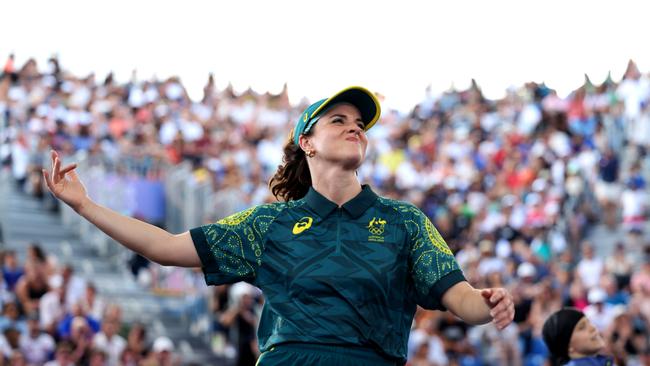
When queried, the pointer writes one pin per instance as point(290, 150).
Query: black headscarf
point(557, 332)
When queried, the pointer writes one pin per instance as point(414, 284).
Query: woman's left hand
point(502, 308)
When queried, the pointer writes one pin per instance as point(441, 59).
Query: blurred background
point(521, 130)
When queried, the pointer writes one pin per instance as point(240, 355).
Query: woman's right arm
point(145, 239)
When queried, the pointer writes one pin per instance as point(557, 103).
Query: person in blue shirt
point(341, 268)
point(11, 271)
point(573, 340)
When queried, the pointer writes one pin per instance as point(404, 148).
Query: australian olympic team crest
point(376, 229)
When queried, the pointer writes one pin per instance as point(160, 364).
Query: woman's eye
point(337, 120)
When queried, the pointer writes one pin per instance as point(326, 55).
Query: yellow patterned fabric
point(430, 258)
point(237, 242)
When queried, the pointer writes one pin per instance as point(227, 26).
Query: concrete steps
point(25, 219)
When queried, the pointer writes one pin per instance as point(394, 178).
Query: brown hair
point(292, 179)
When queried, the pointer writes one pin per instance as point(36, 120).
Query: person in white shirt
point(36, 346)
point(428, 334)
point(52, 305)
point(92, 303)
point(598, 311)
point(75, 285)
point(63, 356)
point(589, 268)
point(163, 351)
point(109, 341)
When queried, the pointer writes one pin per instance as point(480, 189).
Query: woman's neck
point(338, 186)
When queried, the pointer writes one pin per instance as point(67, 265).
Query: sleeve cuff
point(208, 262)
point(210, 266)
point(444, 284)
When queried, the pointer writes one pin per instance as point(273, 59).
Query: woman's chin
point(352, 162)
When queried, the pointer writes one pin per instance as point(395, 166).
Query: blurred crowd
point(515, 186)
point(51, 316)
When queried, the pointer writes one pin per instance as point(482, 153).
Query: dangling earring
point(311, 153)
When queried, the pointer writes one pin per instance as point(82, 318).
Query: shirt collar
point(355, 207)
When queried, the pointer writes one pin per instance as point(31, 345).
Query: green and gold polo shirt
point(333, 275)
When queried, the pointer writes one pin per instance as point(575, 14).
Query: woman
point(342, 270)
point(32, 286)
point(573, 340)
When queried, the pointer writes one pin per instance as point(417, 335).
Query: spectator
point(573, 340)
point(162, 353)
point(77, 319)
point(9, 342)
point(489, 262)
point(63, 355)
point(93, 304)
point(52, 306)
point(640, 283)
point(242, 320)
point(80, 338)
point(590, 267)
point(97, 358)
point(434, 352)
point(32, 286)
point(497, 348)
point(75, 286)
point(5, 294)
point(36, 345)
point(615, 295)
point(109, 342)
point(136, 346)
point(18, 359)
point(37, 256)
point(11, 318)
point(599, 312)
point(620, 264)
point(11, 271)
point(420, 356)
point(627, 340)
point(608, 189)
point(634, 203)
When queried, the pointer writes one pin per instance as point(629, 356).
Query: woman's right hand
point(65, 184)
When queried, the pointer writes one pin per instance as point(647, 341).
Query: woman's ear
point(571, 349)
point(305, 143)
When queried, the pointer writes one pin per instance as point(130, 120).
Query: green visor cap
point(362, 98)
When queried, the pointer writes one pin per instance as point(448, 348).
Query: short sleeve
point(231, 249)
point(432, 265)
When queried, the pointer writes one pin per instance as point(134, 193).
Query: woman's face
point(585, 339)
point(338, 137)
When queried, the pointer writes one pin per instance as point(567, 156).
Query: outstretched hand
point(64, 183)
point(502, 308)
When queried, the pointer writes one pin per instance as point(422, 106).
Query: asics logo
point(302, 225)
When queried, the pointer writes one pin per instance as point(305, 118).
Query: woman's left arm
point(476, 306)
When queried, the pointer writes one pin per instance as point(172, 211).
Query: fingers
point(54, 156)
point(48, 181)
point(56, 176)
point(59, 173)
point(67, 169)
point(503, 311)
point(503, 317)
point(497, 296)
point(73, 174)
